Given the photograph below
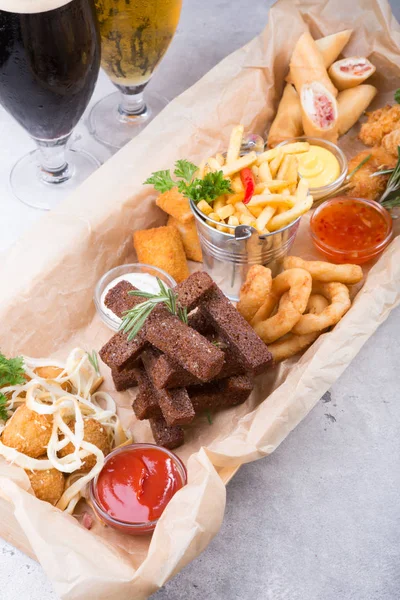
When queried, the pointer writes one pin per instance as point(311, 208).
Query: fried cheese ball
point(364, 186)
point(94, 433)
point(380, 123)
point(28, 432)
point(391, 142)
point(47, 485)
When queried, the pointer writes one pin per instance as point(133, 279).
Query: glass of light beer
point(135, 34)
point(49, 63)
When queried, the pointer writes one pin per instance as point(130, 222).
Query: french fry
point(235, 143)
point(294, 148)
point(276, 162)
point(277, 185)
point(225, 211)
point(275, 200)
point(256, 210)
point(287, 217)
point(236, 184)
point(214, 216)
point(234, 198)
point(292, 172)
point(302, 190)
point(284, 167)
point(219, 203)
point(264, 218)
point(220, 159)
point(237, 165)
point(245, 219)
point(233, 220)
point(254, 169)
point(213, 164)
point(223, 229)
point(204, 207)
point(264, 173)
point(200, 171)
point(242, 209)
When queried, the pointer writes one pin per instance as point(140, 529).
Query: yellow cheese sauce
point(318, 166)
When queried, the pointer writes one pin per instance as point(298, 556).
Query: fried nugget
point(190, 238)
point(47, 485)
point(380, 123)
point(363, 185)
point(391, 142)
point(162, 247)
point(176, 205)
point(94, 433)
point(28, 432)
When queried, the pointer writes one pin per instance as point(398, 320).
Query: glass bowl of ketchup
point(351, 230)
point(135, 485)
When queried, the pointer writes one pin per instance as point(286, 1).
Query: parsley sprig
point(3, 408)
point(11, 373)
point(209, 188)
point(135, 318)
point(11, 370)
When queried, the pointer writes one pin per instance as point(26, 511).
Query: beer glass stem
point(53, 163)
point(132, 102)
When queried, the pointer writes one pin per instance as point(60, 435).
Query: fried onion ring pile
point(292, 310)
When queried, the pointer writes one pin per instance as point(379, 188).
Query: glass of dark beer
point(135, 35)
point(49, 63)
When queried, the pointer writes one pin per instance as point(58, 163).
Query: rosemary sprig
point(135, 318)
point(92, 356)
point(391, 196)
point(209, 417)
point(219, 344)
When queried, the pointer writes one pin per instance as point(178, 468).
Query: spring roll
point(352, 103)
point(350, 72)
point(320, 111)
point(307, 65)
point(288, 120)
point(332, 45)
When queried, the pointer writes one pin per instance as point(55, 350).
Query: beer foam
point(31, 6)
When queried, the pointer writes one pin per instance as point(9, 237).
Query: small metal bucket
point(227, 257)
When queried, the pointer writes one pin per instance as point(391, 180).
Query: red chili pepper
point(247, 177)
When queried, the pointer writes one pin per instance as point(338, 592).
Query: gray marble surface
point(318, 519)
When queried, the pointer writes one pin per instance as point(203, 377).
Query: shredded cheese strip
point(47, 397)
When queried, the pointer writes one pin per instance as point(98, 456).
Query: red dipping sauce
point(135, 485)
point(351, 230)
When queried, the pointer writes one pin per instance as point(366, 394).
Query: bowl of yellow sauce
point(323, 165)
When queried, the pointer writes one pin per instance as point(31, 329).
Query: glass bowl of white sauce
point(143, 277)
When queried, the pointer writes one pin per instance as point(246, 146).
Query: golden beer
point(135, 35)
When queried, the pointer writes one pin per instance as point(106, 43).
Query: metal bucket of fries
point(227, 257)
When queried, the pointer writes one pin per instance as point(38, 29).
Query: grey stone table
point(318, 519)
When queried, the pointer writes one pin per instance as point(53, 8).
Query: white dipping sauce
point(142, 281)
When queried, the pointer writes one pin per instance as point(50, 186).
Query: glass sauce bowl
point(122, 483)
point(351, 230)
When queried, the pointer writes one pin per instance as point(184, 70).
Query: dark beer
point(49, 63)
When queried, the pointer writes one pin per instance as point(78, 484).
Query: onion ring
point(326, 272)
point(291, 289)
point(292, 344)
point(339, 298)
point(254, 291)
